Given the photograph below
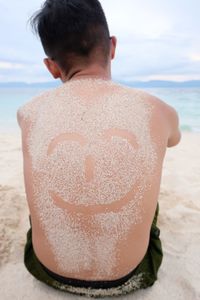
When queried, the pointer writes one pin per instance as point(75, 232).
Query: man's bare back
point(93, 153)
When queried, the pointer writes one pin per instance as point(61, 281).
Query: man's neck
point(92, 72)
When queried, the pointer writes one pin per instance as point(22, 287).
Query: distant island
point(163, 84)
point(136, 84)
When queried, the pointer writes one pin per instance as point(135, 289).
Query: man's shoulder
point(33, 105)
point(160, 109)
point(145, 96)
point(157, 103)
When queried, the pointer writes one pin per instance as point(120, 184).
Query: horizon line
point(122, 80)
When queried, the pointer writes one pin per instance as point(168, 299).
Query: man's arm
point(174, 130)
point(19, 117)
point(166, 115)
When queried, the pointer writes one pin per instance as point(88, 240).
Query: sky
point(156, 40)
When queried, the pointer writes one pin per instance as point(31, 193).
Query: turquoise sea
point(185, 100)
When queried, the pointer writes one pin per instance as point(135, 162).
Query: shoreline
point(178, 220)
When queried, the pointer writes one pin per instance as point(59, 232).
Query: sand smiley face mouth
point(89, 167)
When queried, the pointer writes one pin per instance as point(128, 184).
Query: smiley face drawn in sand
point(90, 180)
point(91, 190)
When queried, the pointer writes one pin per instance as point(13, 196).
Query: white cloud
point(195, 57)
point(5, 65)
point(136, 18)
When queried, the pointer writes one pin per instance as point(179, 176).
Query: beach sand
point(179, 222)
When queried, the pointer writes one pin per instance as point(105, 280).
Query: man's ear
point(52, 67)
point(113, 46)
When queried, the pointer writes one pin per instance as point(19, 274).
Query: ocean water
point(185, 101)
point(10, 100)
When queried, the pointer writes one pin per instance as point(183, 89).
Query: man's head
point(74, 35)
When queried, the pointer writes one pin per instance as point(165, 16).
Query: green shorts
point(143, 276)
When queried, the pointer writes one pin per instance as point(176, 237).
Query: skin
point(95, 70)
point(167, 134)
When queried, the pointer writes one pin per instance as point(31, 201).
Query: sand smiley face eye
point(89, 169)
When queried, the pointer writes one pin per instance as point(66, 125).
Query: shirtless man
point(93, 152)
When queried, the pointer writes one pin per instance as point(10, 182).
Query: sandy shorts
point(143, 276)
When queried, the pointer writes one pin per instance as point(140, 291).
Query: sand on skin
point(179, 221)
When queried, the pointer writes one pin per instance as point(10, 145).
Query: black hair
point(73, 31)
